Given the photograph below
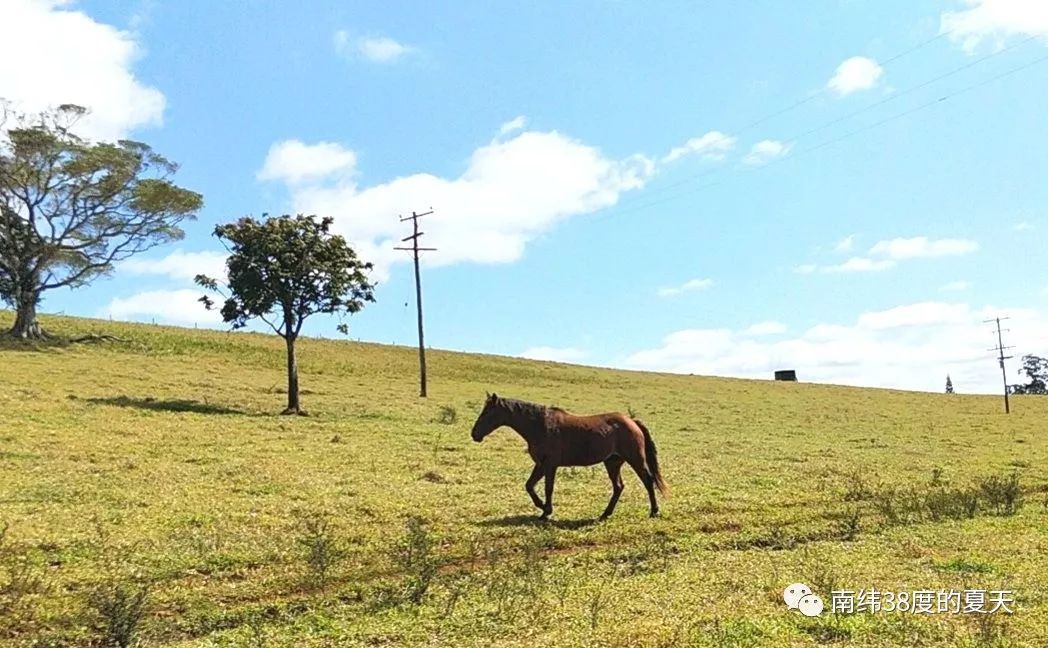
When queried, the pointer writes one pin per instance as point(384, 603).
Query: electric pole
point(415, 249)
point(1001, 358)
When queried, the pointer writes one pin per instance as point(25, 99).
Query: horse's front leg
point(550, 470)
point(536, 475)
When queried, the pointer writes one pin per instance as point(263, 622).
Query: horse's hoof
point(654, 514)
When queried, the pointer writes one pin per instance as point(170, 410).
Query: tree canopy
point(281, 270)
point(71, 209)
point(1036, 369)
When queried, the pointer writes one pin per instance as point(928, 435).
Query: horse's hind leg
point(641, 468)
point(614, 466)
point(529, 486)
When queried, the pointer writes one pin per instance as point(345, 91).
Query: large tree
point(283, 269)
point(1036, 369)
point(71, 209)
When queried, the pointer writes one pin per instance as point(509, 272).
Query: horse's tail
point(652, 458)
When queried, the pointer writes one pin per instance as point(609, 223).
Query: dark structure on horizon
point(786, 374)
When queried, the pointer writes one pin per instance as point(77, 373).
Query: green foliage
point(284, 269)
point(322, 548)
point(70, 209)
point(448, 415)
point(415, 555)
point(1036, 369)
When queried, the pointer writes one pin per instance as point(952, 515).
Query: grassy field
point(158, 465)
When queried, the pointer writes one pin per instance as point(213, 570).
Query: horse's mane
point(525, 407)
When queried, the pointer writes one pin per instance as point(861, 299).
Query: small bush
point(415, 556)
point(1003, 494)
point(120, 606)
point(323, 549)
point(20, 577)
point(848, 525)
point(448, 415)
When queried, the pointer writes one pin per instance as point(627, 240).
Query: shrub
point(415, 556)
point(323, 549)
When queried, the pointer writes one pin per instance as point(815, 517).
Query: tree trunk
point(26, 326)
point(293, 406)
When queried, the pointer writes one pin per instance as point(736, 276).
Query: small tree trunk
point(26, 326)
point(293, 406)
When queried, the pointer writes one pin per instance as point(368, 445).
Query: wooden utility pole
point(1001, 358)
point(415, 249)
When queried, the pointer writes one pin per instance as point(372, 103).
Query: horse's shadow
point(533, 520)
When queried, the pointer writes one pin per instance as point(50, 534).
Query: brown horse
point(558, 438)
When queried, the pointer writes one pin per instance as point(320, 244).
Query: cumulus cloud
point(295, 162)
point(174, 306)
point(713, 145)
point(855, 74)
point(994, 20)
point(179, 265)
point(845, 244)
point(51, 54)
point(912, 346)
point(921, 247)
point(377, 49)
point(765, 151)
point(884, 255)
point(555, 354)
point(513, 125)
point(510, 191)
point(687, 286)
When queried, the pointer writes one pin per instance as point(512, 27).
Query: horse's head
point(491, 417)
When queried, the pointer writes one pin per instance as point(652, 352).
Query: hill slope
point(160, 459)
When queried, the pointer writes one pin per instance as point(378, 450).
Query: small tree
point(1036, 369)
point(70, 210)
point(949, 384)
point(281, 270)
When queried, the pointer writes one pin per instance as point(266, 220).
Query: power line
point(1001, 357)
point(794, 139)
point(632, 207)
point(415, 249)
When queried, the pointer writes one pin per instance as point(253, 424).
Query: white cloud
point(294, 162)
point(169, 306)
point(555, 354)
point(855, 74)
point(713, 145)
point(52, 55)
point(922, 247)
point(1024, 226)
point(994, 20)
point(687, 286)
point(378, 49)
point(510, 192)
point(884, 255)
point(956, 286)
point(845, 244)
point(771, 327)
point(179, 265)
point(909, 347)
point(513, 125)
point(860, 264)
point(765, 151)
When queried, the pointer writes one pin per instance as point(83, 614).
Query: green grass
point(158, 464)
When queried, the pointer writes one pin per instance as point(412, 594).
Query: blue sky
point(713, 188)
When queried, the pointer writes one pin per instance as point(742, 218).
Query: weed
point(1004, 494)
point(448, 415)
point(120, 606)
point(415, 555)
point(323, 550)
